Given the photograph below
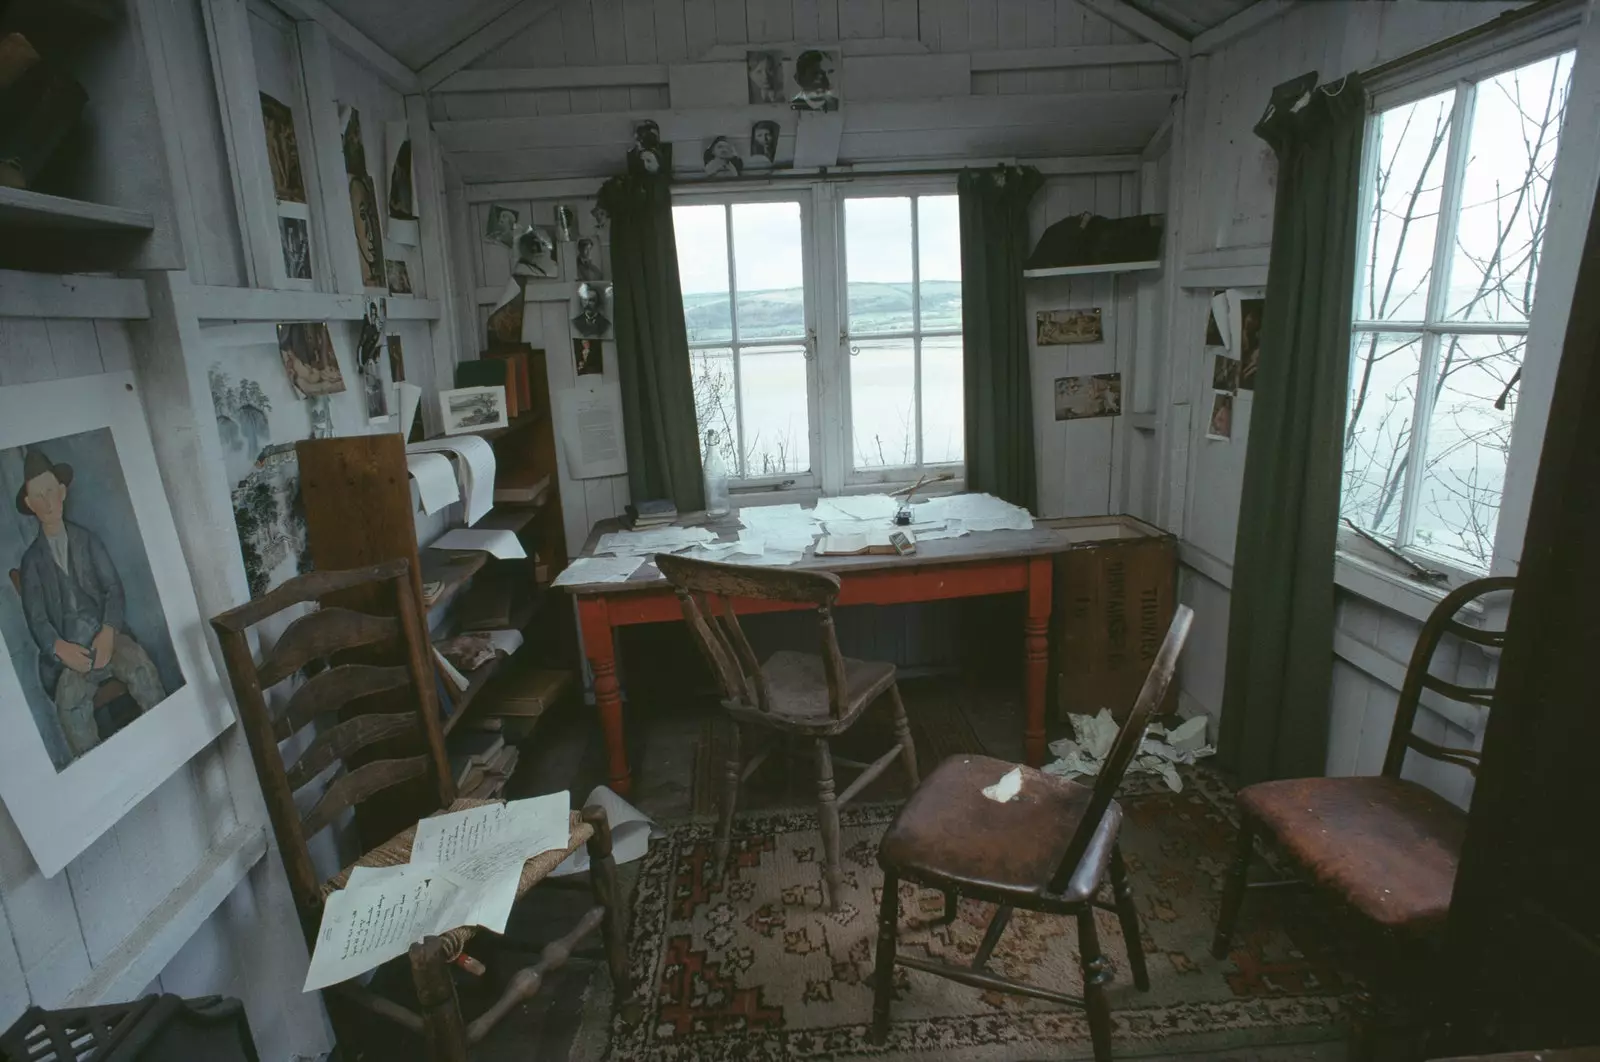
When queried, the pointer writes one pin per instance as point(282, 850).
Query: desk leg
point(1036, 654)
point(600, 648)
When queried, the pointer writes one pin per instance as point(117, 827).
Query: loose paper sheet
point(974, 512)
point(474, 461)
point(598, 570)
point(590, 417)
point(651, 541)
point(436, 480)
point(782, 528)
point(502, 544)
point(630, 833)
point(408, 396)
point(878, 508)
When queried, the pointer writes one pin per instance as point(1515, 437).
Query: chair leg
point(828, 817)
point(731, 769)
point(1233, 891)
point(1128, 915)
point(952, 907)
point(902, 734)
point(991, 936)
point(603, 883)
point(1096, 975)
point(883, 971)
point(444, 1031)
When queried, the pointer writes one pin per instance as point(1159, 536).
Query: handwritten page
point(365, 925)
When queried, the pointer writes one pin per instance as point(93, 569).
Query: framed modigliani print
point(106, 684)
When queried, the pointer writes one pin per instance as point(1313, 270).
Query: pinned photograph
point(504, 326)
point(397, 359)
point(472, 409)
point(1221, 424)
point(1250, 316)
point(500, 226)
point(308, 358)
point(600, 216)
point(566, 223)
point(816, 81)
point(722, 158)
point(364, 210)
point(535, 253)
point(296, 238)
point(1054, 328)
point(402, 186)
point(649, 156)
point(588, 358)
point(766, 76)
point(1224, 373)
point(1079, 397)
point(399, 277)
point(369, 360)
point(283, 151)
point(591, 265)
point(764, 143)
point(591, 305)
point(1214, 337)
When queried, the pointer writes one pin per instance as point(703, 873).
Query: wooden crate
point(1115, 592)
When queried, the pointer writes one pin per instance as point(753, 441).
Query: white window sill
point(1390, 587)
point(808, 495)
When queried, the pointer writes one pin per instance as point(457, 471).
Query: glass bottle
point(716, 475)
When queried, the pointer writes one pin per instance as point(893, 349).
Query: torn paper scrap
point(1006, 789)
point(630, 833)
point(1158, 754)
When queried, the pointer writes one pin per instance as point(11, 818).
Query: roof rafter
point(515, 17)
point(1250, 19)
point(1137, 22)
point(339, 28)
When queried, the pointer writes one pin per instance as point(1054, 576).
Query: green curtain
point(995, 369)
point(1280, 628)
point(663, 439)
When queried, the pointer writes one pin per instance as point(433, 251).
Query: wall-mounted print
point(369, 359)
point(296, 238)
point(402, 185)
point(1225, 373)
point(397, 359)
point(1079, 397)
point(764, 143)
point(307, 352)
point(534, 253)
point(321, 407)
point(399, 277)
point(364, 208)
point(1221, 423)
point(566, 223)
point(241, 411)
point(591, 306)
point(500, 224)
point(816, 80)
point(765, 71)
point(1250, 315)
point(101, 642)
point(283, 151)
point(590, 261)
point(467, 409)
point(1214, 336)
point(649, 156)
point(722, 158)
point(588, 357)
point(1053, 328)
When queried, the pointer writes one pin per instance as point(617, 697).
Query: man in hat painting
point(73, 601)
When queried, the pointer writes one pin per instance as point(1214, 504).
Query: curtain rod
point(1495, 25)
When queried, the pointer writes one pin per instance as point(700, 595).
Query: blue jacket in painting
point(75, 610)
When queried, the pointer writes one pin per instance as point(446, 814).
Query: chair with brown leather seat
point(805, 695)
point(1047, 849)
point(1386, 846)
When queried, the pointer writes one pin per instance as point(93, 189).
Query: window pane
point(939, 262)
point(777, 423)
point(943, 421)
point(702, 237)
point(1383, 389)
point(1505, 191)
point(770, 270)
point(877, 239)
point(1468, 441)
point(1412, 141)
point(883, 404)
point(714, 406)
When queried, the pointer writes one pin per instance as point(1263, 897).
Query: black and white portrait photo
point(649, 156)
point(591, 306)
point(566, 223)
point(590, 264)
point(766, 76)
point(296, 248)
point(587, 357)
point(535, 249)
point(815, 77)
point(501, 224)
point(722, 158)
point(369, 352)
point(764, 143)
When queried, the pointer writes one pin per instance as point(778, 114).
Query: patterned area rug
point(753, 968)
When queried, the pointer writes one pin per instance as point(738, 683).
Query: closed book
point(489, 372)
point(519, 363)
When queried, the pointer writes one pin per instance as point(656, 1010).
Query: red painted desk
point(974, 565)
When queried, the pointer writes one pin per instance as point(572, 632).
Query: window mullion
point(916, 332)
point(733, 323)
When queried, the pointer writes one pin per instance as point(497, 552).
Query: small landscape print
point(816, 81)
point(1221, 425)
point(1055, 328)
point(1079, 397)
point(308, 358)
point(80, 614)
point(283, 152)
point(1225, 374)
point(500, 226)
point(399, 277)
point(1250, 315)
point(765, 70)
point(472, 409)
point(296, 238)
point(588, 358)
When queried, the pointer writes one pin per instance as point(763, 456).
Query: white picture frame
point(463, 410)
point(61, 811)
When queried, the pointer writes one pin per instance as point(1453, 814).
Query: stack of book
point(648, 514)
point(481, 762)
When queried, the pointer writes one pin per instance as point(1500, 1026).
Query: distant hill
point(781, 311)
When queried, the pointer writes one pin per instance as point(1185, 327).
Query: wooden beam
point(1250, 19)
point(554, 77)
point(1065, 58)
point(71, 295)
point(369, 51)
point(1135, 21)
point(512, 19)
point(260, 304)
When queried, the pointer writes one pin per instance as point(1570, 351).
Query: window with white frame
point(1456, 194)
point(766, 273)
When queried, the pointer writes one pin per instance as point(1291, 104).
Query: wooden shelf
point(518, 422)
point(1083, 270)
point(20, 208)
point(452, 567)
point(475, 684)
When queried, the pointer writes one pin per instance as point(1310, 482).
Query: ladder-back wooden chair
point(813, 696)
point(1386, 846)
point(1047, 849)
point(331, 698)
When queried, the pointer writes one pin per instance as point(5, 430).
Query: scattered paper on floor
point(630, 833)
point(1161, 751)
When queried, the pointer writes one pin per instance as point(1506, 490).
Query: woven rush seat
point(396, 851)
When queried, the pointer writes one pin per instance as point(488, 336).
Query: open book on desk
point(856, 543)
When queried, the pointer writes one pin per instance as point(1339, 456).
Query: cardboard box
point(1115, 593)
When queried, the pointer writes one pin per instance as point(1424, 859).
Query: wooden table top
point(1045, 538)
